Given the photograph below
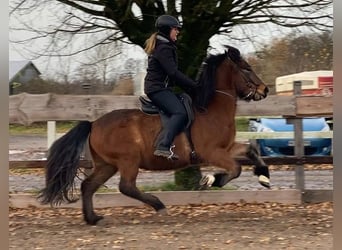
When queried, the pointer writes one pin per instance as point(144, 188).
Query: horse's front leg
point(260, 169)
point(220, 158)
point(239, 149)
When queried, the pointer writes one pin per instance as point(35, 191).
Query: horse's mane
point(206, 77)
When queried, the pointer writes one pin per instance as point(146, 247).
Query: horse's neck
point(222, 105)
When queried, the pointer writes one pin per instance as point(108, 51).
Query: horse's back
point(124, 123)
point(124, 132)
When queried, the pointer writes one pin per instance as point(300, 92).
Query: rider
point(161, 78)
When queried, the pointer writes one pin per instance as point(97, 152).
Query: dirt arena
point(231, 226)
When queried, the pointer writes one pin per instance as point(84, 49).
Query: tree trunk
point(188, 178)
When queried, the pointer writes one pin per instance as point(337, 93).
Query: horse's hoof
point(94, 220)
point(264, 181)
point(207, 180)
point(162, 211)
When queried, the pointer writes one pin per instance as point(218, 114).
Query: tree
point(101, 60)
point(293, 54)
point(133, 22)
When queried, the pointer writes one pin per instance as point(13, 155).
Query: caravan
point(313, 83)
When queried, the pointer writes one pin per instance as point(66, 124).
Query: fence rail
point(28, 108)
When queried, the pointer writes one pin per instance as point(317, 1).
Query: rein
point(252, 89)
point(225, 93)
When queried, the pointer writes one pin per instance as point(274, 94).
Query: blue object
point(285, 147)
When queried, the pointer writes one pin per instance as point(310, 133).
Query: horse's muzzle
point(260, 93)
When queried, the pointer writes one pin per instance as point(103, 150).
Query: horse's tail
point(62, 165)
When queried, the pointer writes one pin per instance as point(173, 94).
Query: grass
point(167, 186)
point(171, 186)
point(241, 123)
point(20, 171)
point(40, 128)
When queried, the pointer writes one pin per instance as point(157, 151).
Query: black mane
point(206, 77)
point(206, 80)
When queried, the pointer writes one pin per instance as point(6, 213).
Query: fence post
point(51, 133)
point(298, 140)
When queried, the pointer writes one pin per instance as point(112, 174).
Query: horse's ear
point(233, 53)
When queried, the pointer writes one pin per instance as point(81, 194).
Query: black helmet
point(167, 21)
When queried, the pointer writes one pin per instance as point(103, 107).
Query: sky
point(48, 65)
point(260, 34)
point(52, 67)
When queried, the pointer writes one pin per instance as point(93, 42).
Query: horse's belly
point(164, 165)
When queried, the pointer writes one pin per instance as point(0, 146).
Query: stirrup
point(168, 154)
point(172, 153)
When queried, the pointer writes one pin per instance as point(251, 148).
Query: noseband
point(250, 85)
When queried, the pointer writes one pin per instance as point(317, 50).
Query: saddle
point(149, 108)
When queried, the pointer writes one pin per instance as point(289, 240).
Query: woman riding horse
point(162, 76)
point(122, 140)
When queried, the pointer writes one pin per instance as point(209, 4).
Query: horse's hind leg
point(100, 175)
point(260, 167)
point(128, 187)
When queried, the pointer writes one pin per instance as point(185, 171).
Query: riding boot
point(162, 145)
point(167, 153)
point(171, 127)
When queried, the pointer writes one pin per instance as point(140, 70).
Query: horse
point(122, 140)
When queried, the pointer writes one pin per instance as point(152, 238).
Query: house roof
point(16, 66)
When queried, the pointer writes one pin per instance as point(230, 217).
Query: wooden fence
point(28, 108)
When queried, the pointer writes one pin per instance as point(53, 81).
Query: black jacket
point(162, 70)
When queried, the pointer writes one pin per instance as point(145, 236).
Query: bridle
point(251, 85)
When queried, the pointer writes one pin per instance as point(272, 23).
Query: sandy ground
point(231, 226)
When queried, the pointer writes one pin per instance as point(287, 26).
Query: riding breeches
point(174, 120)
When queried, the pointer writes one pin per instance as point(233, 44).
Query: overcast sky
point(259, 34)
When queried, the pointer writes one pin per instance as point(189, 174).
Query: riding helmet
point(165, 23)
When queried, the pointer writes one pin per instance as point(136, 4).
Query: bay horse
point(122, 140)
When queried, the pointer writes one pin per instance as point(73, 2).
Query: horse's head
point(230, 74)
point(248, 85)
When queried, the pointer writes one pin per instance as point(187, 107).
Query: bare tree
point(101, 58)
point(293, 54)
point(133, 21)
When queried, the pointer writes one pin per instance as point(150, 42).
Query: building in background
point(318, 82)
point(21, 72)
